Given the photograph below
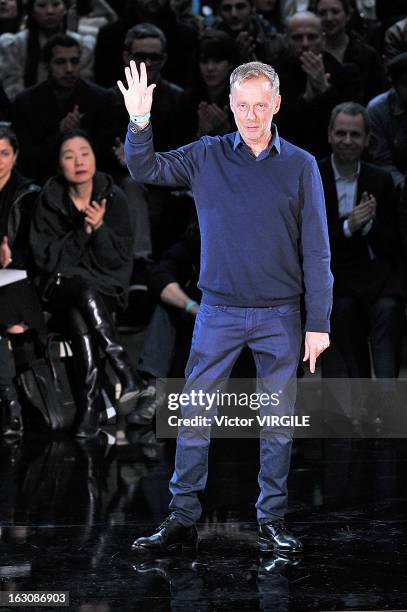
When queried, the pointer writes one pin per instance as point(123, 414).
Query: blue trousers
point(274, 335)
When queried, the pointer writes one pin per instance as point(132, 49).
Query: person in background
point(256, 38)
point(209, 99)
point(181, 39)
point(361, 205)
point(184, 12)
point(388, 120)
point(314, 83)
point(82, 246)
point(11, 16)
point(395, 40)
point(147, 43)
point(21, 319)
point(20, 53)
point(346, 48)
point(270, 10)
point(62, 102)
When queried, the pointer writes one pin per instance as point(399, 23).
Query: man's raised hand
point(138, 97)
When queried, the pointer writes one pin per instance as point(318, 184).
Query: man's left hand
point(315, 344)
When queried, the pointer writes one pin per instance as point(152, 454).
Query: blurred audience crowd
point(95, 243)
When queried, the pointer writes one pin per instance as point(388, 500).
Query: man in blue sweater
point(264, 243)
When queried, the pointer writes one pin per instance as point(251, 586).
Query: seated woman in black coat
point(82, 244)
point(21, 319)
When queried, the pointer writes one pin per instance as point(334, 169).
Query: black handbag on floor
point(45, 392)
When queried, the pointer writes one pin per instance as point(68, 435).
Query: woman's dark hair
point(7, 133)
point(217, 45)
point(75, 133)
point(33, 45)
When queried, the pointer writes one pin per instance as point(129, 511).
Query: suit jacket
point(367, 266)
point(36, 114)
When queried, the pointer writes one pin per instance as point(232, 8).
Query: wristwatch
point(136, 129)
point(135, 120)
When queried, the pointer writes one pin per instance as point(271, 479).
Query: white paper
point(8, 276)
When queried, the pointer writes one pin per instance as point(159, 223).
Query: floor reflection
point(70, 509)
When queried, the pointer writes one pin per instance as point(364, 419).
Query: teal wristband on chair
point(140, 118)
point(190, 305)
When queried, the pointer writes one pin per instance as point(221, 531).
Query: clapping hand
point(5, 253)
point(363, 212)
point(138, 97)
point(118, 150)
point(246, 47)
point(212, 119)
point(72, 120)
point(94, 214)
point(317, 79)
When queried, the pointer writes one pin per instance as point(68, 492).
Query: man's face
point(236, 14)
point(348, 137)
point(305, 34)
point(253, 105)
point(64, 67)
point(149, 51)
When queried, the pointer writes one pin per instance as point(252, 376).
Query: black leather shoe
point(170, 536)
point(149, 402)
point(275, 536)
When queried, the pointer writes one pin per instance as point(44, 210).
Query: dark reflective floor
point(69, 511)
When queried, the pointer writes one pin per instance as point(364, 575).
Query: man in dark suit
point(149, 204)
point(64, 101)
point(365, 245)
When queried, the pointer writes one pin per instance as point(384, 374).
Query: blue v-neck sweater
point(262, 219)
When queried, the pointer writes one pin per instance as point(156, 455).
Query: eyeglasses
point(240, 6)
point(153, 58)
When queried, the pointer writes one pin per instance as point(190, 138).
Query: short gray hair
point(255, 70)
point(350, 108)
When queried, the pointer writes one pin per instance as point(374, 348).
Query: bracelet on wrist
point(189, 305)
point(140, 118)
